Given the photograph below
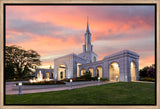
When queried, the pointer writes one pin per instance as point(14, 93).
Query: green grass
point(113, 93)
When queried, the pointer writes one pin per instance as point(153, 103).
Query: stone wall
point(70, 61)
point(122, 58)
point(44, 71)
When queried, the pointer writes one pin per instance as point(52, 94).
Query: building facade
point(46, 73)
point(123, 64)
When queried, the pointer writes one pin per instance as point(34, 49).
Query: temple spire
point(87, 25)
point(87, 47)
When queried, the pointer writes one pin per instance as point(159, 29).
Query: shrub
point(75, 79)
point(94, 78)
point(104, 79)
point(148, 79)
point(86, 75)
point(81, 79)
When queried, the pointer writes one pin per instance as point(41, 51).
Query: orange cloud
point(104, 25)
point(47, 44)
point(12, 33)
point(73, 17)
point(147, 61)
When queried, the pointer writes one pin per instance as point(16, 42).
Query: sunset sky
point(56, 30)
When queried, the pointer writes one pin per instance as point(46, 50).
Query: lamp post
point(71, 84)
point(20, 88)
point(98, 80)
point(116, 79)
point(126, 78)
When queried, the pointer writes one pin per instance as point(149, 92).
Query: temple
point(123, 64)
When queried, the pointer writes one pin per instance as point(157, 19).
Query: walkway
point(9, 90)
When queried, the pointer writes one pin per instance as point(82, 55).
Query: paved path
point(9, 90)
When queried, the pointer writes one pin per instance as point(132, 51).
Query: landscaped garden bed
point(85, 77)
point(148, 73)
point(44, 83)
point(78, 79)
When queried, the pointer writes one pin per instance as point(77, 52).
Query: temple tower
point(87, 46)
point(88, 53)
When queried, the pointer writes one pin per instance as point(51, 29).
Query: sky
point(58, 30)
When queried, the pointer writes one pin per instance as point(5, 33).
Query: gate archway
point(61, 71)
point(47, 75)
point(99, 71)
point(82, 72)
point(78, 64)
point(91, 71)
point(113, 71)
point(133, 71)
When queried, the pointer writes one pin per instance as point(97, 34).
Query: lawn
point(113, 93)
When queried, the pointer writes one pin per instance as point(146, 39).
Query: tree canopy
point(19, 61)
point(148, 71)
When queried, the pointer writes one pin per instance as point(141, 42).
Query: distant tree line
point(20, 62)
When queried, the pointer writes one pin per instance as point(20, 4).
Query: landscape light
point(20, 88)
point(20, 83)
point(98, 80)
point(116, 78)
point(71, 84)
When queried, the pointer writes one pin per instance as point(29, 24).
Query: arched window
point(61, 71)
point(47, 75)
point(97, 73)
point(113, 71)
point(52, 75)
point(61, 75)
point(82, 72)
point(91, 71)
point(94, 59)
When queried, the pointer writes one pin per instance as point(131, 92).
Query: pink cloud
point(120, 24)
point(47, 44)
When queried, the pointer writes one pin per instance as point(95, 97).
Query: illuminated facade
point(124, 64)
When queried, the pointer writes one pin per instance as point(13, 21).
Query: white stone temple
point(124, 64)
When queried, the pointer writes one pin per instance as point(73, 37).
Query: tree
point(21, 60)
point(143, 72)
point(151, 72)
point(87, 75)
point(148, 71)
point(9, 71)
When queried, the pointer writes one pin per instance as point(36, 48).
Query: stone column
point(94, 71)
point(137, 69)
point(79, 72)
point(55, 72)
point(121, 73)
point(103, 72)
point(125, 69)
point(105, 68)
point(128, 69)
